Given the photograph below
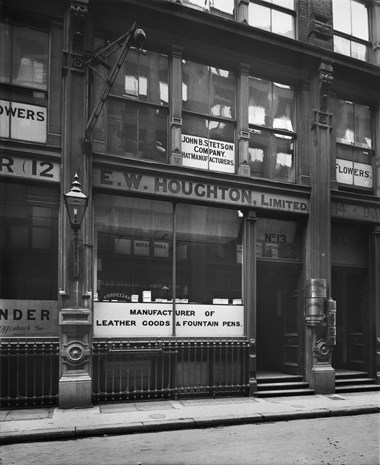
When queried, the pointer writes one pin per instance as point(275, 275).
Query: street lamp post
point(76, 204)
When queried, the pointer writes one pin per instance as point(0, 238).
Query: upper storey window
point(272, 138)
point(276, 16)
point(208, 130)
point(24, 83)
point(137, 108)
point(351, 28)
point(354, 156)
point(224, 7)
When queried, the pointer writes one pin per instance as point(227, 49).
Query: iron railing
point(29, 372)
point(127, 370)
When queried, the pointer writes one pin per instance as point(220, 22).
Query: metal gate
point(29, 372)
point(131, 370)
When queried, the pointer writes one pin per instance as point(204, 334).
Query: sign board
point(24, 318)
point(38, 169)
point(208, 154)
point(23, 121)
point(123, 180)
point(119, 319)
point(355, 211)
point(354, 174)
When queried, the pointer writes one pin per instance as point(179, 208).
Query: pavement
point(49, 424)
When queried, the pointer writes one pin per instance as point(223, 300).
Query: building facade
point(229, 153)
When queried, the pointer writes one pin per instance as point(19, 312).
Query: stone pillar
point(242, 11)
point(242, 121)
point(75, 315)
point(319, 372)
point(249, 274)
point(176, 105)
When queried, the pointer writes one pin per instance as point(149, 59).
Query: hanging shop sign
point(193, 190)
point(118, 319)
point(22, 318)
point(32, 168)
point(208, 154)
point(23, 121)
point(354, 174)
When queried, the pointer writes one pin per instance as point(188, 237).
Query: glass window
point(208, 130)
point(354, 144)
point(135, 251)
point(225, 7)
point(277, 16)
point(277, 239)
point(28, 242)
point(137, 109)
point(351, 26)
point(23, 71)
point(271, 114)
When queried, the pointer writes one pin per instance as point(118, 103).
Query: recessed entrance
point(279, 324)
point(350, 290)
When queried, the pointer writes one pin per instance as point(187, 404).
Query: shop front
point(176, 287)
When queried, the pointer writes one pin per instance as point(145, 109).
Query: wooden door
point(291, 332)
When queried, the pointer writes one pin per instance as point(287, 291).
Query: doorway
point(279, 319)
point(350, 290)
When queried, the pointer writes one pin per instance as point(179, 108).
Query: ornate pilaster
point(242, 120)
point(176, 105)
point(319, 372)
point(75, 313)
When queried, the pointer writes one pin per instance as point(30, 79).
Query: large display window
point(28, 242)
point(166, 269)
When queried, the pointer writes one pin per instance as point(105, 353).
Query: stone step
point(279, 379)
point(357, 388)
point(350, 381)
point(285, 392)
point(353, 375)
point(282, 385)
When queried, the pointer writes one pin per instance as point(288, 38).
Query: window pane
point(282, 168)
point(342, 45)
point(344, 152)
point(222, 93)
point(134, 248)
point(137, 131)
point(259, 149)
point(345, 122)
point(283, 107)
point(359, 51)
point(283, 24)
point(152, 134)
point(359, 20)
point(195, 126)
point(208, 237)
point(5, 52)
point(195, 87)
point(29, 58)
point(127, 80)
point(276, 238)
point(342, 16)
point(259, 16)
point(221, 131)
point(363, 126)
point(28, 242)
point(226, 6)
point(259, 99)
point(153, 78)
point(284, 3)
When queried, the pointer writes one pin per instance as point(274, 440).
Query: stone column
point(319, 372)
point(375, 28)
point(176, 105)
point(75, 316)
point(242, 121)
point(249, 274)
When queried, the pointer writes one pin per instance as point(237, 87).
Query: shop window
point(23, 78)
point(354, 149)
point(272, 138)
point(351, 28)
point(28, 242)
point(349, 246)
point(218, 7)
point(276, 16)
point(277, 239)
point(137, 108)
point(208, 130)
point(145, 247)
